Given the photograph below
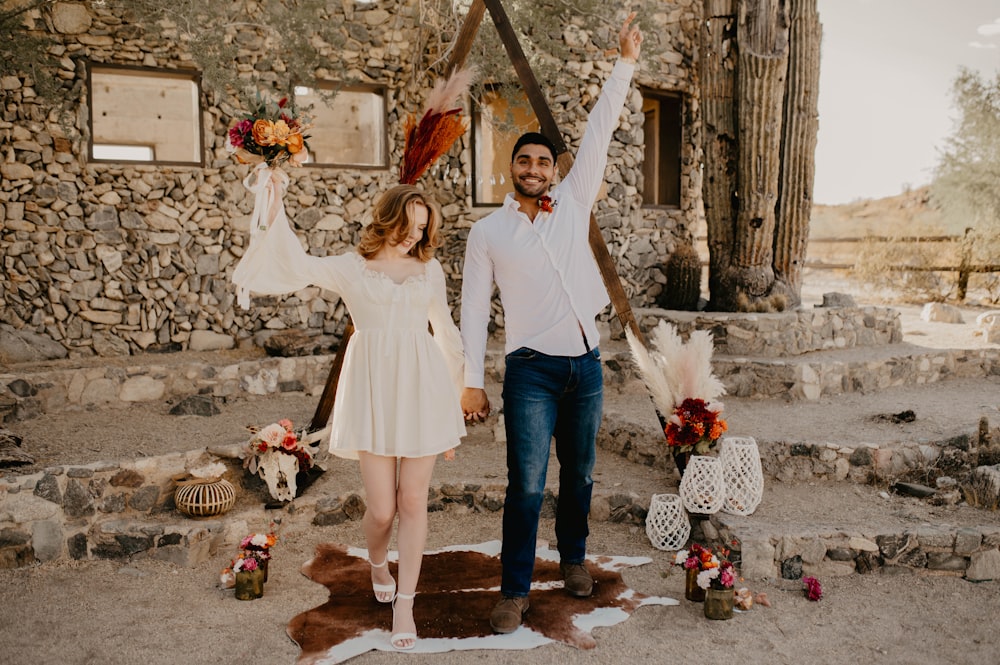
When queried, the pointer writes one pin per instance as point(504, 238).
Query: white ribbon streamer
point(268, 184)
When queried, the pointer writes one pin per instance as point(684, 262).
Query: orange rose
point(263, 132)
point(295, 143)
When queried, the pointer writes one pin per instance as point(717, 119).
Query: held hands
point(475, 404)
point(630, 39)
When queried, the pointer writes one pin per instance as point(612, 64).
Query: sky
point(885, 102)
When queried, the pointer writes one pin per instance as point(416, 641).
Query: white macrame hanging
point(667, 524)
point(742, 473)
point(703, 487)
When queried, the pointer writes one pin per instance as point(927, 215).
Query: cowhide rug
point(458, 588)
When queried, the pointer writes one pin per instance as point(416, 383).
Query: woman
point(397, 407)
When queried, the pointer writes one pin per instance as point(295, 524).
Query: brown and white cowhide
point(458, 588)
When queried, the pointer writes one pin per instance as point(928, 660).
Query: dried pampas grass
point(674, 370)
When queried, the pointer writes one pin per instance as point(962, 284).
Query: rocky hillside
point(909, 213)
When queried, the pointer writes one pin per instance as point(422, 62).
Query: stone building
point(115, 241)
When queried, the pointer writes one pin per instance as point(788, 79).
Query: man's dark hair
point(534, 138)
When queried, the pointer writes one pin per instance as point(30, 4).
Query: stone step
point(30, 390)
point(813, 375)
point(817, 528)
point(826, 529)
point(885, 434)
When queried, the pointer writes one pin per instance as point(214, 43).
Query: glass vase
point(719, 604)
point(692, 591)
point(249, 584)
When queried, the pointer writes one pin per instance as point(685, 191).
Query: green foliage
point(966, 179)
point(541, 27)
point(25, 50)
point(291, 39)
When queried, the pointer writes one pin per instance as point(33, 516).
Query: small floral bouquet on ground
point(680, 379)
point(255, 552)
point(715, 570)
point(277, 453)
point(271, 133)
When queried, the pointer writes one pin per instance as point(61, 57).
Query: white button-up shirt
point(550, 287)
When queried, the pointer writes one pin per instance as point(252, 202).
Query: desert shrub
point(901, 268)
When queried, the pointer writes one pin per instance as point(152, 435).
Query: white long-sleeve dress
point(398, 393)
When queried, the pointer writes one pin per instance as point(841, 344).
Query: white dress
point(398, 393)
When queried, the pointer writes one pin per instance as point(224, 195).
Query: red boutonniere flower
point(546, 204)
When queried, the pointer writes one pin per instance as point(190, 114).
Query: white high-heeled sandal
point(395, 638)
point(386, 591)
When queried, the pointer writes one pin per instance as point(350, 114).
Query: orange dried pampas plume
point(438, 129)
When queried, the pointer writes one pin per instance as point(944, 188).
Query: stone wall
point(114, 259)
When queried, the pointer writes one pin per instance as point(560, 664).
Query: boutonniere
point(546, 204)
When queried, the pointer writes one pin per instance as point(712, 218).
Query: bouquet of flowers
point(679, 377)
point(272, 133)
point(255, 552)
point(277, 453)
point(715, 570)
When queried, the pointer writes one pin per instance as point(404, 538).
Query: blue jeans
point(544, 397)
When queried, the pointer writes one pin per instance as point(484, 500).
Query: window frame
point(662, 198)
point(336, 87)
point(191, 75)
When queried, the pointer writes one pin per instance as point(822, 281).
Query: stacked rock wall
point(113, 259)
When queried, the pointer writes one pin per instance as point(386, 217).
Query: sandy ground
point(154, 613)
point(151, 612)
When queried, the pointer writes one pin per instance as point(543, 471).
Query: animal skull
point(278, 470)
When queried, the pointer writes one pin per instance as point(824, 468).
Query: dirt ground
point(150, 612)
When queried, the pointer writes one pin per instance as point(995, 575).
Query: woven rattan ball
point(205, 499)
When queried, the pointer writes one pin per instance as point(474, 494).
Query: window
point(139, 114)
point(497, 125)
point(661, 168)
point(350, 129)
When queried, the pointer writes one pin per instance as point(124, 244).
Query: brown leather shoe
point(578, 581)
point(508, 613)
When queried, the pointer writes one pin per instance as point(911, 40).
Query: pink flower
point(813, 590)
point(727, 578)
point(273, 435)
point(238, 133)
point(250, 564)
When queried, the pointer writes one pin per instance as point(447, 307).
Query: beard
point(531, 191)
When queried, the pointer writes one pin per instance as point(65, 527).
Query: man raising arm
point(535, 248)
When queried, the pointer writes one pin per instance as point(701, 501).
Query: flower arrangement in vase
point(713, 573)
point(248, 571)
point(679, 377)
point(277, 453)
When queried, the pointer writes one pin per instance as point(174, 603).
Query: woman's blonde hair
point(391, 219)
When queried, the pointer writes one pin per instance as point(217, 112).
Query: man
point(536, 249)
